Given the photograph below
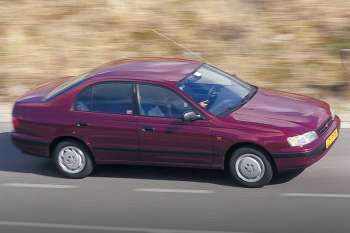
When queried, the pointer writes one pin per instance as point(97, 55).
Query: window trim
point(134, 104)
point(138, 106)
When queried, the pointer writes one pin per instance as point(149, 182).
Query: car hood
point(283, 110)
point(40, 92)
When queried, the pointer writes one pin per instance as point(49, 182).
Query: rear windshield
point(69, 83)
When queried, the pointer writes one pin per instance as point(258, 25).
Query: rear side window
point(107, 98)
point(68, 84)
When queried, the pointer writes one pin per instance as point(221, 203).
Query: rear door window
point(110, 97)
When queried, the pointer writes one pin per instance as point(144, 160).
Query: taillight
point(15, 123)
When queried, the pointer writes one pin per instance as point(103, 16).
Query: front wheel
point(72, 159)
point(250, 167)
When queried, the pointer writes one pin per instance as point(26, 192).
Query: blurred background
point(296, 45)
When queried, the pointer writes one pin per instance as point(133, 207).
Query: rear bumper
point(299, 160)
point(31, 145)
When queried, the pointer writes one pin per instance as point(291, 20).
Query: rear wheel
point(250, 167)
point(72, 159)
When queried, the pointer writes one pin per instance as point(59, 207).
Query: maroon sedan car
point(172, 112)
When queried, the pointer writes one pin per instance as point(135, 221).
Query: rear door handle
point(81, 124)
point(148, 129)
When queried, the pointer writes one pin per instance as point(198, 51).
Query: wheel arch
point(253, 145)
point(57, 140)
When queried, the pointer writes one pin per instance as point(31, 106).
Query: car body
point(265, 120)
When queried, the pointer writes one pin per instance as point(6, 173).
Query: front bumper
point(299, 160)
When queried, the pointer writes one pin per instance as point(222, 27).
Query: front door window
point(157, 101)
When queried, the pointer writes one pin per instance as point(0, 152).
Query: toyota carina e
point(172, 112)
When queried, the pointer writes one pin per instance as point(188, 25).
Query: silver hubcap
point(71, 159)
point(250, 168)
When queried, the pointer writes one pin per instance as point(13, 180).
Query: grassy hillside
point(291, 45)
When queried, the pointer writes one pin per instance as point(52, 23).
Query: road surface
point(34, 198)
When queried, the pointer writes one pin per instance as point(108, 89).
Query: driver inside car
point(155, 111)
point(204, 103)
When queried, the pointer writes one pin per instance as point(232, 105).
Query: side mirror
point(191, 116)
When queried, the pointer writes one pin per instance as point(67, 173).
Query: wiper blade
point(244, 100)
point(230, 109)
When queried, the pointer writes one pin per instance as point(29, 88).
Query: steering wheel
point(212, 94)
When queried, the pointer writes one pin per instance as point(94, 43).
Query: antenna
point(179, 45)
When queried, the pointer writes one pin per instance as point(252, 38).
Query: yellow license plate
point(331, 138)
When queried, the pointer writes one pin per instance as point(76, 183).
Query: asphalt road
point(34, 198)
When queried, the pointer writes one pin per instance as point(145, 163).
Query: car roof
point(153, 69)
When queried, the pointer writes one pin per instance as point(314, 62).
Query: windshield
point(215, 90)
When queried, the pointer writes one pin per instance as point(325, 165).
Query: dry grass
point(291, 45)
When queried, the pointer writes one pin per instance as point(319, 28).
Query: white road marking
point(198, 191)
point(316, 195)
point(48, 186)
point(102, 228)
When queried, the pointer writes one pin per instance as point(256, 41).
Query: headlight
point(332, 113)
point(303, 139)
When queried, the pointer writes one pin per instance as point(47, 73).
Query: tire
point(250, 167)
point(73, 159)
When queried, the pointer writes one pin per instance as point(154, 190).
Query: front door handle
point(81, 124)
point(148, 129)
